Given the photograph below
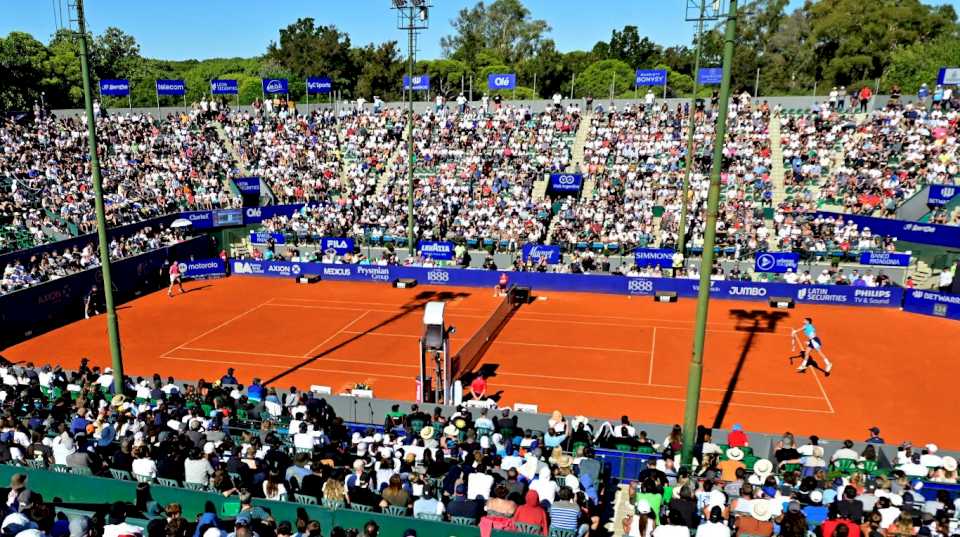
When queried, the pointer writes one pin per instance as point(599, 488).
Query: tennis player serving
point(813, 344)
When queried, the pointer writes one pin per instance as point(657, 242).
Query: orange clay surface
point(592, 354)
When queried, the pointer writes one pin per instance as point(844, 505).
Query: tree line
point(824, 42)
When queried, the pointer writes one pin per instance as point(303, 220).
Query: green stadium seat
point(462, 520)
point(305, 499)
point(532, 529)
point(395, 510)
point(333, 505)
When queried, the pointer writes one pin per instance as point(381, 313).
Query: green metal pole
point(410, 190)
point(688, 165)
point(709, 239)
point(113, 329)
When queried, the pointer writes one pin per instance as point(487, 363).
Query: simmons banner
point(273, 86)
point(171, 87)
point(339, 245)
point(566, 182)
point(940, 195)
point(441, 250)
point(710, 76)
point(776, 262)
point(932, 303)
point(248, 185)
point(116, 88)
point(420, 82)
point(501, 81)
point(224, 87)
point(648, 257)
point(542, 251)
point(320, 84)
point(885, 259)
point(651, 77)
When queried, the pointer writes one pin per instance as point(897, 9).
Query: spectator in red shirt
point(833, 523)
point(737, 438)
point(478, 388)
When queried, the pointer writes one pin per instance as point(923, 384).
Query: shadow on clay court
point(417, 304)
point(752, 322)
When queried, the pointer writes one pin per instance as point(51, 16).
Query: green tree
point(547, 68)
point(62, 71)
point(382, 71)
point(626, 45)
point(309, 50)
point(505, 28)
point(116, 55)
point(598, 79)
point(920, 62)
point(22, 60)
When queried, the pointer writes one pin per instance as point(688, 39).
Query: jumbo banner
point(933, 303)
point(566, 182)
point(537, 252)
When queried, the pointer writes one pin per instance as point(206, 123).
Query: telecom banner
point(776, 262)
point(651, 77)
point(171, 87)
point(273, 86)
point(116, 88)
point(566, 182)
point(537, 252)
point(501, 81)
point(441, 250)
point(650, 257)
point(420, 82)
point(224, 87)
point(321, 84)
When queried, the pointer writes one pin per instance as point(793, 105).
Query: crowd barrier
point(37, 309)
point(887, 297)
point(918, 232)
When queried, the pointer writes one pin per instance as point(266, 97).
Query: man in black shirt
point(462, 507)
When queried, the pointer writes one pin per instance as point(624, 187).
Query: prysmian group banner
point(440, 250)
point(932, 303)
point(542, 251)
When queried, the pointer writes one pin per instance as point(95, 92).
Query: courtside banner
point(224, 87)
point(203, 268)
point(653, 257)
point(542, 251)
point(501, 81)
point(885, 259)
point(199, 219)
point(566, 182)
point(440, 250)
point(420, 82)
point(776, 262)
point(116, 88)
point(919, 232)
point(273, 86)
point(266, 268)
point(651, 77)
point(262, 237)
point(319, 84)
point(932, 303)
point(340, 245)
point(248, 185)
point(939, 195)
point(171, 87)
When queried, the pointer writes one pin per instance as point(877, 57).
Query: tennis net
point(472, 351)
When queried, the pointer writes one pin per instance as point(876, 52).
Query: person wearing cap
point(642, 518)
point(460, 506)
point(875, 437)
point(737, 438)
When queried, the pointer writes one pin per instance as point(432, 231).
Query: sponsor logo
point(318, 84)
point(435, 248)
point(295, 269)
point(183, 267)
point(170, 86)
point(872, 293)
point(336, 271)
point(274, 86)
point(195, 217)
point(245, 267)
point(339, 244)
point(747, 291)
point(766, 262)
point(374, 273)
point(254, 212)
point(566, 180)
point(919, 228)
point(918, 294)
point(640, 286)
point(501, 81)
point(537, 251)
point(438, 276)
point(940, 310)
point(948, 192)
point(820, 294)
point(111, 86)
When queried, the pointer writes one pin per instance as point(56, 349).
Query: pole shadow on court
point(752, 322)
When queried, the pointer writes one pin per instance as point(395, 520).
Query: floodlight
point(399, 4)
point(419, 3)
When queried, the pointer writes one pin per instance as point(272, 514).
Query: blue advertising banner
point(224, 87)
point(885, 259)
point(117, 88)
point(319, 84)
point(501, 81)
point(171, 87)
point(650, 257)
point(199, 219)
point(776, 261)
point(340, 245)
point(203, 268)
point(941, 194)
point(255, 215)
point(542, 251)
point(918, 232)
point(248, 185)
point(272, 86)
point(709, 76)
point(269, 268)
point(262, 237)
point(651, 77)
point(566, 182)
point(932, 303)
point(441, 250)
point(949, 76)
point(420, 82)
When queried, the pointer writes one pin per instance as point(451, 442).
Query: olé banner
point(885, 259)
point(776, 262)
point(203, 268)
point(248, 185)
point(940, 195)
point(541, 251)
point(501, 81)
point(319, 84)
point(420, 82)
point(339, 245)
point(710, 76)
point(273, 86)
point(115, 87)
point(651, 77)
point(224, 87)
point(440, 250)
point(658, 257)
point(171, 87)
point(566, 182)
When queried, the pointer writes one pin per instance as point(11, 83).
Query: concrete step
point(777, 172)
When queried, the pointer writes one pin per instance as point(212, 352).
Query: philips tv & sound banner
point(541, 251)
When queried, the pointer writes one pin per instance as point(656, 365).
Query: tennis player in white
point(813, 344)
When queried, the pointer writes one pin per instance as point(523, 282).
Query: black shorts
point(814, 343)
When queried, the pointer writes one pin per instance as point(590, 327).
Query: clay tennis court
point(597, 355)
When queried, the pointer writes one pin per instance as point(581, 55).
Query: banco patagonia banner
point(885, 259)
point(566, 182)
point(653, 257)
point(171, 87)
point(273, 86)
point(440, 250)
point(263, 237)
point(115, 87)
point(776, 262)
point(542, 251)
point(224, 87)
point(501, 81)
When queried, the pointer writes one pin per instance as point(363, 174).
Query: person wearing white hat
point(763, 468)
point(929, 458)
point(758, 523)
point(641, 519)
point(728, 468)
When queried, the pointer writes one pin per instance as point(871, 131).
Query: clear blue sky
point(181, 29)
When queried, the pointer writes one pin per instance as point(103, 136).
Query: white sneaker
point(829, 367)
point(802, 368)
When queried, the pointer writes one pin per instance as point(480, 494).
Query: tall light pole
point(700, 12)
point(412, 16)
point(113, 328)
point(695, 374)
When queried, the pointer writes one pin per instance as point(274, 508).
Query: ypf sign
point(502, 81)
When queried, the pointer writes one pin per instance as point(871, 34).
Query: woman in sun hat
point(946, 472)
point(640, 524)
point(728, 468)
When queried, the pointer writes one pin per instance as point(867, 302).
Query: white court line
point(711, 331)
point(295, 299)
point(523, 343)
point(272, 366)
point(215, 328)
point(528, 313)
point(320, 345)
point(527, 388)
point(344, 308)
point(270, 354)
point(823, 391)
point(653, 348)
